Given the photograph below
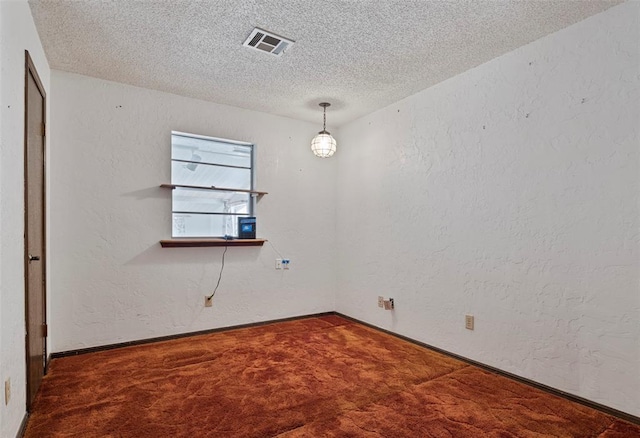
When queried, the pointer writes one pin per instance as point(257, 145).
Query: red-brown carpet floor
point(315, 377)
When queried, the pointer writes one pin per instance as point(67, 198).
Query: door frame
point(30, 70)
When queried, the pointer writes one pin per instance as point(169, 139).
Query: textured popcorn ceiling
point(359, 55)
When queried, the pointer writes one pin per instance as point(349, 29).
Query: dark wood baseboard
point(583, 401)
point(180, 335)
point(23, 425)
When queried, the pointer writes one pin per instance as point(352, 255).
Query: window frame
point(252, 193)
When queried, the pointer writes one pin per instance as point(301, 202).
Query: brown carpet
point(315, 377)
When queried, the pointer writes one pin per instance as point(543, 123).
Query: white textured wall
point(111, 280)
point(509, 192)
point(17, 34)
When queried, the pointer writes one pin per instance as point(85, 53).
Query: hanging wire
point(274, 248)
point(210, 297)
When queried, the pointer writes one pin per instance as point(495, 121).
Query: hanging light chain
point(324, 123)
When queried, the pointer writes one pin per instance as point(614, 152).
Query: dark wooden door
point(34, 184)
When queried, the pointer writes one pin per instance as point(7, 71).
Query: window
point(213, 180)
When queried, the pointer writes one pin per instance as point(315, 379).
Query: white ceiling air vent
point(267, 42)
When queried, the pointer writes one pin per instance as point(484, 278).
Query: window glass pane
point(207, 201)
point(209, 151)
point(209, 175)
point(204, 225)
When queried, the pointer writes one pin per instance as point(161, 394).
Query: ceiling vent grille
point(267, 42)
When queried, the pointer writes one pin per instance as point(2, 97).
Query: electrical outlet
point(468, 322)
point(380, 302)
point(285, 263)
point(7, 391)
point(208, 302)
point(388, 304)
point(278, 263)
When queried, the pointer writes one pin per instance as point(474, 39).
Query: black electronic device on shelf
point(246, 227)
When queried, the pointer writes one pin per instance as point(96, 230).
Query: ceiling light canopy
point(323, 145)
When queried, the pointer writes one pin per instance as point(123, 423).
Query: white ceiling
point(360, 55)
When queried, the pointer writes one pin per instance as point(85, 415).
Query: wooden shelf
point(219, 189)
point(196, 242)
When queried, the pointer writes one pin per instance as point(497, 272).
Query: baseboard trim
point(180, 335)
point(23, 425)
point(583, 401)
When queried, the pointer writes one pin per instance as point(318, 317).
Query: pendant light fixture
point(323, 144)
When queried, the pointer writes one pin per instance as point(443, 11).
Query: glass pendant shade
point(323, 145)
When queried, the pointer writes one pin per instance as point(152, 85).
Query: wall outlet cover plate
point(468, 322)
point(7, 391)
